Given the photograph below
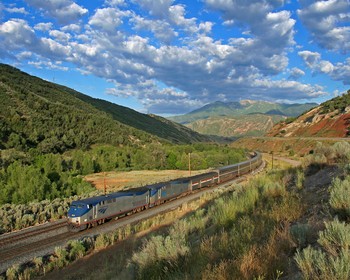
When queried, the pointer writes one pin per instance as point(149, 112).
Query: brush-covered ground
point(287, 223)
point(115, 181)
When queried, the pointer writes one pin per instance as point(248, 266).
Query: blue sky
point(170, 57)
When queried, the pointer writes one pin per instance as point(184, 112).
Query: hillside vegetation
point(51, 136)
point(330, 119)
point(51, 118)
point(249, 125)
point(237, 119)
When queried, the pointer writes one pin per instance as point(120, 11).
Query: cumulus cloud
point(295, 73)
point(60, 36)
point(339, 71)
point(64, 11)
point(160, 28)
point(75, 28)
point(328, 23)
point(17, 33)
point(157, 8)
point(166, 59)
point(115, 3)
point(48, 65)
point(108, 19)
point(16, 10)
point(43, 26)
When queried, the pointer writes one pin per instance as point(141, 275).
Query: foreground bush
point(333, 259)
point(340, 198)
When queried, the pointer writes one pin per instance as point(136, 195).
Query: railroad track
point(19, 250)
point(15, 237)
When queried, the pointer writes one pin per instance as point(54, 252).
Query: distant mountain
point(35, 113)
point(330, 119)
point(248, 125)
point(243, 118)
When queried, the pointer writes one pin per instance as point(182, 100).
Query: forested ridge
point(54, 118)
point(51, 136)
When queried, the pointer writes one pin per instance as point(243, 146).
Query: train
point(94, 211)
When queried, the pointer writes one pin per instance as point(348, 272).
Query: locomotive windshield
point(78, 209)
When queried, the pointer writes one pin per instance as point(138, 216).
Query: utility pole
point(189, 163)
point(272, 160)
point(104, 183)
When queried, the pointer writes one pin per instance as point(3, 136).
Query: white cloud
point(169, 60)
point(48, 65)
point(328, 22)
point(157, 8)
point(160, 28)
point(339, 71)
point(76, 28)
point(60, 36)
point(64, 11)
point(115, 3)
point(295, 73)
point(17, 10)
point(108, 19)
point(24, 55)
point(17, 33)
point(43, 26)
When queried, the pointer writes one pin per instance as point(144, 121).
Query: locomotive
point(93, 211)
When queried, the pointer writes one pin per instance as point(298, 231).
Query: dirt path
point(292, 162)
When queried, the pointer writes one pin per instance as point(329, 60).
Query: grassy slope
point(34, 101)
point(149, 123)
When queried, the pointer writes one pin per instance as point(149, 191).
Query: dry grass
point(116, 181)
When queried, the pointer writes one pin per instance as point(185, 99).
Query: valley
point(59, 146)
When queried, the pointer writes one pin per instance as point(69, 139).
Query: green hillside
point(51, 136)
point(38, 114)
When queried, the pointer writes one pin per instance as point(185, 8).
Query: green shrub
point(12, 272)
point(160, 256)
point(339, 196)
point(300, 234)
point(342, 151)
point(61, 257)
point(225, 209)
point(312, 263)
point(103, 240)
point(335, 237)
point(333, 261)
point(273, 189)
point(77, 249)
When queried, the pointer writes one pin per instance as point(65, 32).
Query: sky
point(170, 57)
